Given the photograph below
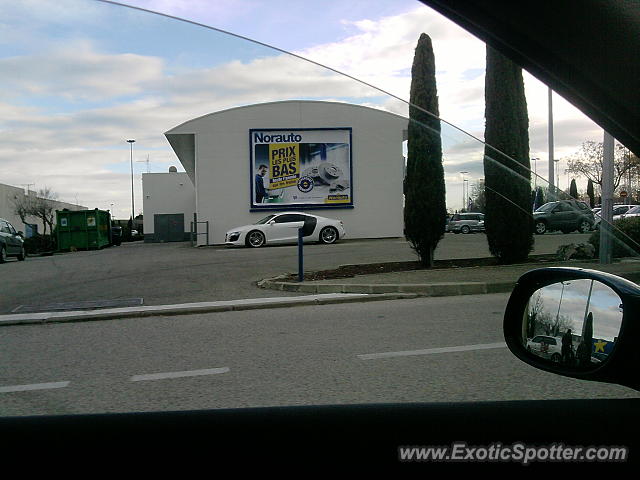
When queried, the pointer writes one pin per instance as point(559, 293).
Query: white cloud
point(116, 95)
point(78, 72)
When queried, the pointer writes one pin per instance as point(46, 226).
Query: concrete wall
point(222, 163)
point(9, 195)
point(167, 193)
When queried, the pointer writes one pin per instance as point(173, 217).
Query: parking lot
point(170, 273)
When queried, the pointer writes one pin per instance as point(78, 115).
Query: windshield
point(264, 220)
point(635, 209)
point(178, 132)
point(547, 207)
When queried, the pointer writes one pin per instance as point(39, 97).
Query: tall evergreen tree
point(508, 220)
point(425, 206)
point(591, 194)
point(573, 189)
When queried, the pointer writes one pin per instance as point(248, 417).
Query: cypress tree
point(573, 189)
point(425, 207)
point(508, 220)
point(591, 194)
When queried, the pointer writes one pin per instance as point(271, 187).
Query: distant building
point(10, 195)
point(169, 202)
point(333, 159)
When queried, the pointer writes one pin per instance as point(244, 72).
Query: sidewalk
point(444, 282)
point(36, 318)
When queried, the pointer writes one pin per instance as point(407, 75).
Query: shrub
point(40, 244)
point(626, 238)
point(508, 221)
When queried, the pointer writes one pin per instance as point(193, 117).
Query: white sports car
point(283, 228)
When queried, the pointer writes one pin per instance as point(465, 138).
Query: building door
point(168, 227)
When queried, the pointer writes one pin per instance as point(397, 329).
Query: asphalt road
point(176, 273)
point(335, 354)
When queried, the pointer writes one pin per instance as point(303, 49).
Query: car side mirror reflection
point(575, 323)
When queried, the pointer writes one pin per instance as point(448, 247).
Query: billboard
point(301, 168)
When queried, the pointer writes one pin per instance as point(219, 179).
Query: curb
point(193, 308)
point(445, 289)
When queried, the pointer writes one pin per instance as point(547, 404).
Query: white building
point(169, 202)
point(10, 196)
point(332, 159)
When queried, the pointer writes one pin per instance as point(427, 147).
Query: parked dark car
point(564, 215)
point(11, 242)
point(116, 235)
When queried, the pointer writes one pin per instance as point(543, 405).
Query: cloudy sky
point(79, 77)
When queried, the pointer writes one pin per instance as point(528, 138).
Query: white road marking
point(431, 351)
point(189, 373)
point(34, 386)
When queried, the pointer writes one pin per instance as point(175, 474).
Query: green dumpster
point(82, 229)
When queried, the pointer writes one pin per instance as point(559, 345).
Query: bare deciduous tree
point(588, 162)
point(41, 206)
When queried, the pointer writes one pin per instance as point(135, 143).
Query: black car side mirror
point(578, 323)
point(20, 234)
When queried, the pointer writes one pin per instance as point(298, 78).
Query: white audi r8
point(283, 228)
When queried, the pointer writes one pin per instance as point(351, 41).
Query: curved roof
point(182, 139)
point(282, 102)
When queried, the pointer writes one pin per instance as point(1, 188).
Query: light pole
point(133, 215)
point(552, 182)
point(466, 197)
point(535, 172)
point(559, 305)
point(463, 195)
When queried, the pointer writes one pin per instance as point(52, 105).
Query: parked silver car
point(619, 211)
point(11, 242)
point(466, 223)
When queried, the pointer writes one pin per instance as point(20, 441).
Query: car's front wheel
point(541, 228)
point(328, 235)
point(255, 239)
point(465, 229)
point(23, 254)
point(3, 254)
point(585, 226)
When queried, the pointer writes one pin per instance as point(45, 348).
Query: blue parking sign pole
point(300, 256)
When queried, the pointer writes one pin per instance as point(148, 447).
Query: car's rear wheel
point(22, 255)
point(328, 235)
point(541, 228)
point(255, 239)
point(585, 226)
point(3, 254)
point(555, 358)
point(465, 229)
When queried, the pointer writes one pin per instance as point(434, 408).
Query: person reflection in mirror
point(567, 347)
point(261, 192)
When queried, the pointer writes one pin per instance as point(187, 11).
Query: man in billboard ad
point(301, 168)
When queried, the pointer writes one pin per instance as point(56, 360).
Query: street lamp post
point(466, 197)
point(535, 172)
point(133, 214)
point(463, 195)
